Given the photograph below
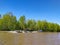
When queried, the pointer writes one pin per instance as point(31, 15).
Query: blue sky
point(33, 9)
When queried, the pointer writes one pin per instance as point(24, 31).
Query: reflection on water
point(43, 38)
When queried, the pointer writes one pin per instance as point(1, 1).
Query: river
point(42, 38)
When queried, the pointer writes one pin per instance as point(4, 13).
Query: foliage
point(31, 24)
point(22, 22)
point(9, 22)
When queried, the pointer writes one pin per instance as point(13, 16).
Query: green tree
point(22, 22)
point(44, 25)
point(58, 28)
point(39, 25)
point(1, 24)
point(53, 27)
point(17, 26)
point(9, 22)
point(31, 25)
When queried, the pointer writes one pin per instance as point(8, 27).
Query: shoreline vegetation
point(8, 22)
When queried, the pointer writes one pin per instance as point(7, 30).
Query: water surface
point(42, 38)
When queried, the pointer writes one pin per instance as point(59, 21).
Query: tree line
point(8, 22)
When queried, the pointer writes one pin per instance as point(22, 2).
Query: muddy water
point(42, 38)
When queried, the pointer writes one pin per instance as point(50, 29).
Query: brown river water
point(42, 38)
